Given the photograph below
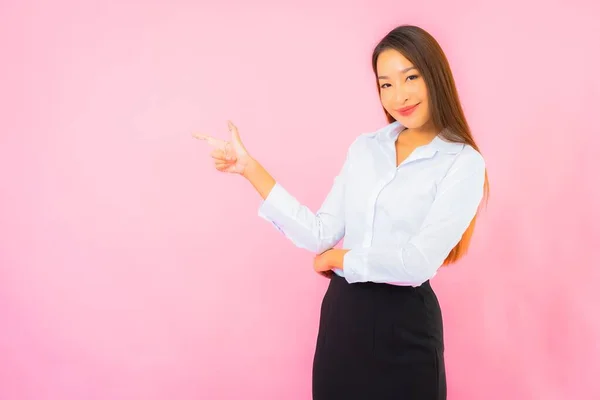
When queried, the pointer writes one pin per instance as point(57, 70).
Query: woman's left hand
point(322, 262)
point(326, 261)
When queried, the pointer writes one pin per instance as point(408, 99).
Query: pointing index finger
point(218, 143)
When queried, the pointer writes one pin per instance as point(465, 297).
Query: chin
point(409, 123)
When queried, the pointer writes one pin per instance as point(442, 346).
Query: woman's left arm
point(457, 200)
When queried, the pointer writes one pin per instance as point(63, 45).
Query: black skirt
point(378, 341)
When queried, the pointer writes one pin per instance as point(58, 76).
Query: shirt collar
point(392, 130)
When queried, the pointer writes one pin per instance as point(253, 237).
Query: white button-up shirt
point(399, 222)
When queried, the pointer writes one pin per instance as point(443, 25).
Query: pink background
point(131, 269)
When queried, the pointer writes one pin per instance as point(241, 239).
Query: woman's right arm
point(259, 177)
point(316, 232)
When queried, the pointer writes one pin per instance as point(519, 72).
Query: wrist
point(250, 168)
point(337, 258)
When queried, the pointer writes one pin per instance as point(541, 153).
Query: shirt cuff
point(354, 265)
point(275, 207)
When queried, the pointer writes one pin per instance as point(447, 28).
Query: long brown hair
point(420, 48)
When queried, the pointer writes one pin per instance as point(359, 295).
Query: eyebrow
point(403, 71)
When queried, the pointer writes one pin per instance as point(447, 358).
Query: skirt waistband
point(384, 286)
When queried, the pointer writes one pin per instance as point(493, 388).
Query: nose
point(400, 95)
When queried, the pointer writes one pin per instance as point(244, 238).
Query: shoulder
point(468, 157)
point(468, 162)
point(384, 131)
point(366, 138)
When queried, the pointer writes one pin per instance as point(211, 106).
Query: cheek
point(422, 91)
point(424, 110)
point(386, 101)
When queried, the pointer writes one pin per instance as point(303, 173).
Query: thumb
point(235, 134)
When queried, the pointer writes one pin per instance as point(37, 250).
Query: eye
point(383, 86)
point(412, 77)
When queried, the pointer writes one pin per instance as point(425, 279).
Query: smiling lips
point(406, 111)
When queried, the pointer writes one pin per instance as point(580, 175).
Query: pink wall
point(130, 269)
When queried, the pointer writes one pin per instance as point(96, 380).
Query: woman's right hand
point(229, 156)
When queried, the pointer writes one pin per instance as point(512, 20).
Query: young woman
point(405, 202)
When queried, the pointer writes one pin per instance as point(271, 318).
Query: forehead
point(392, 61)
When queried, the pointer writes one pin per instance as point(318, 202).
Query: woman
point(405, 202)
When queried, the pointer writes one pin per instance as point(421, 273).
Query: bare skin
point(233, 157)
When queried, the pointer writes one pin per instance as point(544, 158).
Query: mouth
point(406, 111)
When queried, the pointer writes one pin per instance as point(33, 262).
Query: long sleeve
point(457, 199)
point(315, 232)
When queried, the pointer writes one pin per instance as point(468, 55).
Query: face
point(402, 89)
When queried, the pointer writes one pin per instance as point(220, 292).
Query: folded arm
point(456, 203)
point(315, 232)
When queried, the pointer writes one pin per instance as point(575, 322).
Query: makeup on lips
point(406, 111)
